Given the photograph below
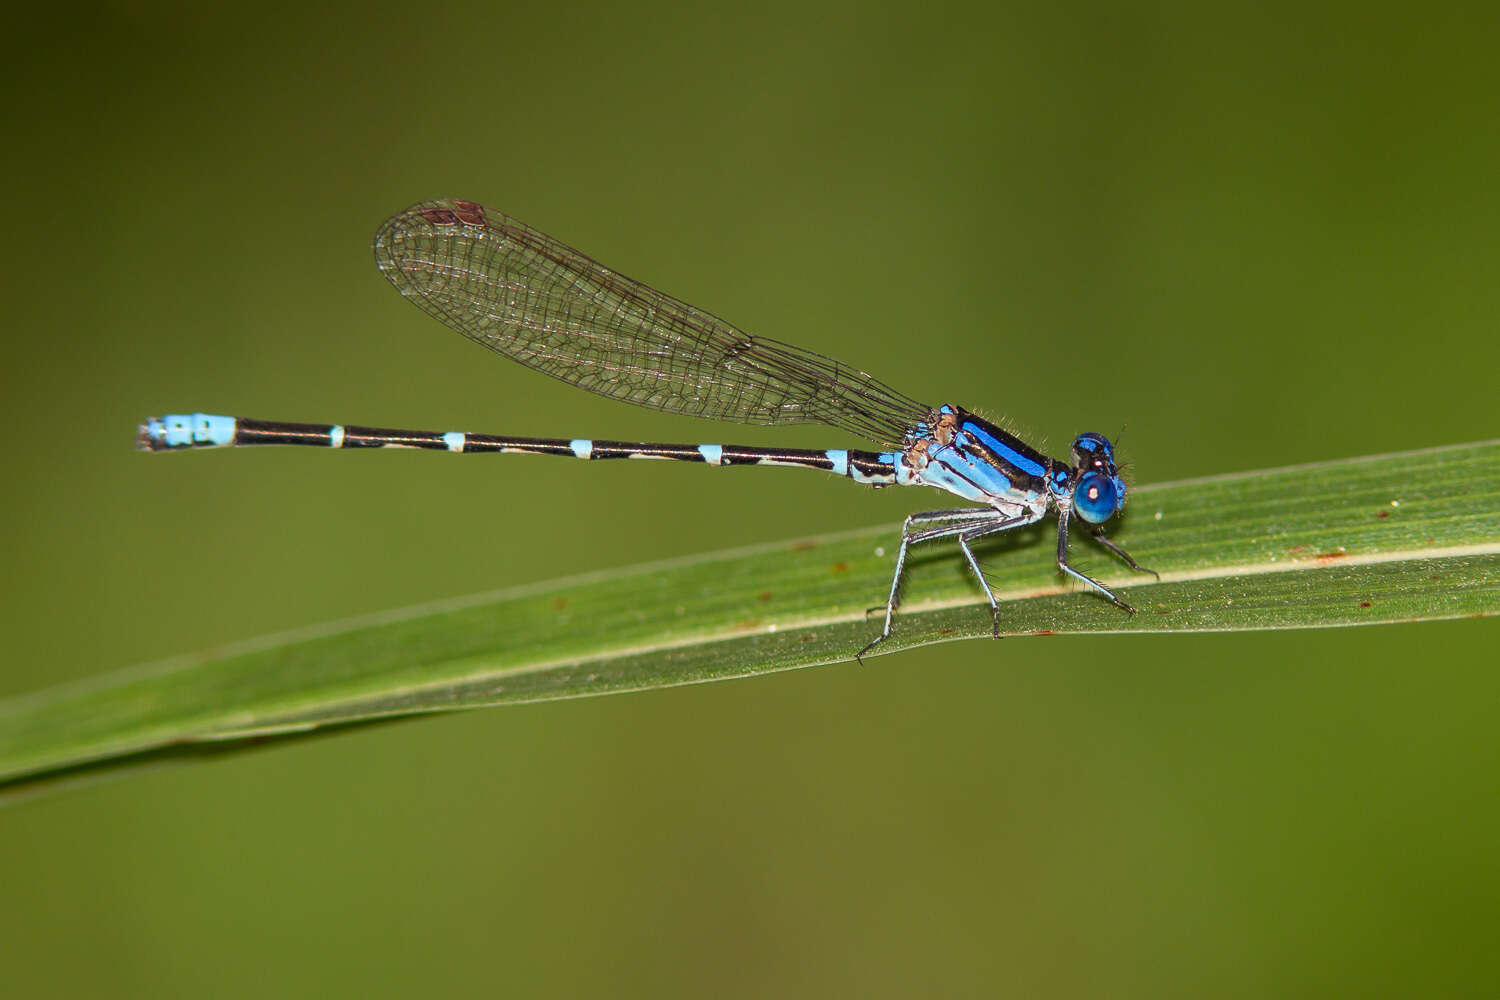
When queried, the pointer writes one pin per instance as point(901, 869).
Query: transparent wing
point(535, 300)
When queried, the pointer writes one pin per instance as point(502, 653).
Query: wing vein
point(539, 302)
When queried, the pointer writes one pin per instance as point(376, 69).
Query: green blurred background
point(1247, 239)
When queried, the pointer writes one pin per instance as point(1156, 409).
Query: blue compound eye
point(1093, 449)
point(1096, 498)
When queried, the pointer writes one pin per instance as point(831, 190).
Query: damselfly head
point(1098, 490)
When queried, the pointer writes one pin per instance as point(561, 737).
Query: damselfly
point(535, 300)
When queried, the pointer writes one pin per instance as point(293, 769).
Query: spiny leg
point(963, 543)
point(1062, 563)
point(1123, 555)
point(979, 531)
point(933, 517)
point(965, 527)
point(907, 537)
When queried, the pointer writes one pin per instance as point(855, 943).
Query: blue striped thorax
point(970, 457)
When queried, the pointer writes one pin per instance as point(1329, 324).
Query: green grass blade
point(1340, 543)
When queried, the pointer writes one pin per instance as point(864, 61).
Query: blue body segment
point(535, 300)
point(887, 471)
point(973, 459)
point(1004, 451)
point(965, 477)
point(191, 430)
